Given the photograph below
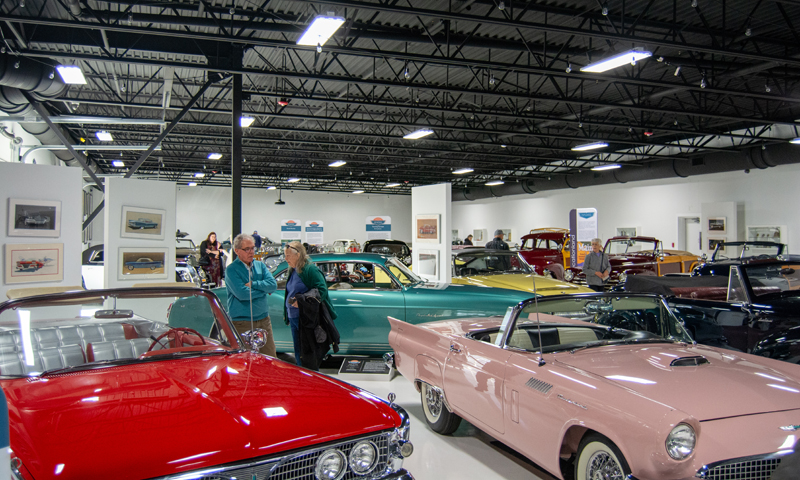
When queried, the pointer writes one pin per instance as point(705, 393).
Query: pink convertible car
point(618, 403)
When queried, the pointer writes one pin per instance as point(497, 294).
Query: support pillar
point(236, 157)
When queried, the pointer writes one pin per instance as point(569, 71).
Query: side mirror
point(255, 338)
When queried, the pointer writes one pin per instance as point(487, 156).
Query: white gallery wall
point(766, 196)
point(432, 201)
point(201, 210)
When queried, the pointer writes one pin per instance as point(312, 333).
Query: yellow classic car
point(505, 269)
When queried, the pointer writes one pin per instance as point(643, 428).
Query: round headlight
point(363, 457)
point(622, 277)
point(330, 465)
point(680, 441)
point(569, 275)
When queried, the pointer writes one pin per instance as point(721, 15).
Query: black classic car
point(757, 306)
point(397, 248)
point(737, 253)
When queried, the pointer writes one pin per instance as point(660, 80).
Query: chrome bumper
point(401, 474)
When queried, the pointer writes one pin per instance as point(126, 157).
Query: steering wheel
point(177, 331)
point(626, 320)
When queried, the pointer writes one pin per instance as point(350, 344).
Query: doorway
point(690, 234)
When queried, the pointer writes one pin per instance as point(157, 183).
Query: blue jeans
point(294, 323)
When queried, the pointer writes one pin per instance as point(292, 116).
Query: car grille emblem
point(791, 428)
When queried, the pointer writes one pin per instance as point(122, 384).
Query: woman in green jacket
point(303, 276)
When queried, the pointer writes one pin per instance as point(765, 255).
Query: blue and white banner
point(291, 229)
point(582, 229)
point(379, 227)
point(314, 232)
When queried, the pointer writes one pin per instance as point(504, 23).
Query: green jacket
point(312, 278)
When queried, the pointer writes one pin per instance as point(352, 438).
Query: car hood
point(749, 387)
point(172, 416)
point(432, 288)
point(524, 282)
point(622, 260)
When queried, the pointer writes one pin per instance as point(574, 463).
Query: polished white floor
point(467, 454)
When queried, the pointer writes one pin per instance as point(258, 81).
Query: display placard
point(582, 229)
point(291, 229)
point(314, 232)
point(365, 368)
point(379, 227)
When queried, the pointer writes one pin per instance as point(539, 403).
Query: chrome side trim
point(571, 402)
point(538, 385)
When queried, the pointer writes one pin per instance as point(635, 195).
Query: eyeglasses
point(248, 249)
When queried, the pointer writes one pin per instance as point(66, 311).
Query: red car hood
point(174, 416)
point(748, 387)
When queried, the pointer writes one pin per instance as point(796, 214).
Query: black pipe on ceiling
point(754, 158)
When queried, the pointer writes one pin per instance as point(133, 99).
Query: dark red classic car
point(639, 256)
point(156, 383)
point(546, 250)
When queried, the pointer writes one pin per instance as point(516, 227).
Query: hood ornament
point(791, 428)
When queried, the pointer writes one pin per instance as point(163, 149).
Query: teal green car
point(365, 288)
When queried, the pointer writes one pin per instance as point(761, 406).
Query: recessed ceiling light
point(71, 74)
point(503, 146)
point(423, 132)
point(246, 121)
point(610, 166)
point(358, 191)
point(589, 146)
point(461, 171)
point(192, 184)
point(199, 175)
point(271, 187)
point(337, 163)
point(631, 56)
point(104, 136)
point(494, 183)
point(320, 30)
point(117, 163)
point(393, 184)
point(214, 156)
point(293, 180)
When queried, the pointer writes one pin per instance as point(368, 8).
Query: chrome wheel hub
point(434, 400)
point(602, 466)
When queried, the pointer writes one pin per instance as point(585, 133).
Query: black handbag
point(204, 261)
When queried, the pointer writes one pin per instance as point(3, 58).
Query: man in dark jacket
point(468, 240)
point(497, 242)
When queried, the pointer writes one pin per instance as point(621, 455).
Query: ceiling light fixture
point(569, 67)
point(589, 146)
point(494, 183)
point(320, 30)
point(795, 141)
point(199, 175)
point(246, 121)
point(104, 136)
point(677, 71)
point(462, 171)
point(118, 163)
point(604, 10)
point(358, 191)
point(422, 132)
point(631, 56)
point(214, 156)
point(192, 184)
point(501, 6)
point(293, 180)
point(703, 83)
point(611, 166)
point(271, 187)
point(337, 163)
point(283, 102)
point(694, 3)
point(766, 87)
point(71, 74)
point(393, 184)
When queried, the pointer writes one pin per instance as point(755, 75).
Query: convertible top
point(664, 285)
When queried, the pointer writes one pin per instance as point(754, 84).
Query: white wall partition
point(145, 194)
point(43, 182)
point(433, 200)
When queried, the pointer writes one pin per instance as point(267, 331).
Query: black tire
point(439, 418)
point(598, 457)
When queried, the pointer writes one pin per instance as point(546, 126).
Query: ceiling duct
point(756, 157)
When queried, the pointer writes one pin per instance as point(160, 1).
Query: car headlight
point(680, 441)
point(363, 457)
point(330, 465)
point(569, 275)
point(622, 277)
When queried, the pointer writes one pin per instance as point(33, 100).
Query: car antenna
point(250, 291)
point(538, 323)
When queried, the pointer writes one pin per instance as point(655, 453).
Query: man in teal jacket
point(249, 284)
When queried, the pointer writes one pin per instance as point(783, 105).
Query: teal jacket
point(312, 278)
point(239, 295)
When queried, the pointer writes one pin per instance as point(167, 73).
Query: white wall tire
point(599, 459)
point(438, 417)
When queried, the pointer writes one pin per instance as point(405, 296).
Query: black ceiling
point(498, 82)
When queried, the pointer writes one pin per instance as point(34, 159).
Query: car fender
point(428, 370)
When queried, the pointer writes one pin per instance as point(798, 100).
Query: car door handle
point(454, 348)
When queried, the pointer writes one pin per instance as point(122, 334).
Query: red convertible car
point(591, 402)
point(142, 383)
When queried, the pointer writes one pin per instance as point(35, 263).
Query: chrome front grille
point(746, 468)
point(301, 467)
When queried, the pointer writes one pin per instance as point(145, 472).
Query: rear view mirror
point(599, 306)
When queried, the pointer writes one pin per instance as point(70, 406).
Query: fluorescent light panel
point(611, 166)
point(631, 56)
point(494, 183)
point(795, 141)
point(358, 191)
point(271, 187)
point(462, 171)
point(293, 180)
point(199, 175)
point(104, 136)
point(337, 163)
point(423, 132)
point(246, 121)
point(393, 184)
point(320, 30)
point(192, 184)
point(117, 163)
point(71, 74)
point(589, 146)
point(214, 156)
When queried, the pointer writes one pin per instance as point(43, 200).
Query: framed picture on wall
point(34, 218)
point(427, 228)
point(138, 222)
point(713, 242)
point(428, 263)
point(142, 263)
point(26, 263)
point(716, 224)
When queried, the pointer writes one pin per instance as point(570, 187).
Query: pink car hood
point(746, 387)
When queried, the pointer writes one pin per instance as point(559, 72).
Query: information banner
point(379, 228)
point(582, 229)
point(314, 233)
point(291, 229)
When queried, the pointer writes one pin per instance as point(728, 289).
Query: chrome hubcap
point(603, 467)
point(434, 401)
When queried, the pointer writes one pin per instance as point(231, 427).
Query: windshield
point(403, 274)
point(746, 252)
point(630, 246)
point(542, 244)
point(398, 250)
point(97, 329)
point(489, 263)
point(774, 279)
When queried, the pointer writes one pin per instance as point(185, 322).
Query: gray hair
point(237, 242)
point(597, 241)
point(302, 259)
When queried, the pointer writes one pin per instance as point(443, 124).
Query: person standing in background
point(257, 239)
point(497, 242)
point(212, 258)
point(468, 240)
point(249, 284)
point(596, 267)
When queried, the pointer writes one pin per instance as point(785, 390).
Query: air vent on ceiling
point(688, 362)
point(538, 385)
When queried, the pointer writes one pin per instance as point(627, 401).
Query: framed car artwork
point(147, 223)
point(29, 263)
point(427, 228)
point(34, 218)
point(717, 224)
point(142, 263)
